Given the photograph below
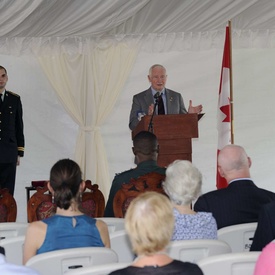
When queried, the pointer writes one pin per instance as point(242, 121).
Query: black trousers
point(7, 176)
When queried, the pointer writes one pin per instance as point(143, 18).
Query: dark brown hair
point(65, 179)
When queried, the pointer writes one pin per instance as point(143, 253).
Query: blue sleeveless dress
point(70, 232)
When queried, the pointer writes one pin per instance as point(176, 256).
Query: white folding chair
point(60, 261)
point(120, 243)
point(242, 263)
point(114, 224)
point(12, 229)
point(14, 249)
point(239, 236)
point(194, 250)
point(98, 270)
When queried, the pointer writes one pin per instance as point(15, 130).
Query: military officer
point(11, 133)
point(145, 148)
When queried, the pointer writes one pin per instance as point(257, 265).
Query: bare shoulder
point(101, 224)
point(37, 227)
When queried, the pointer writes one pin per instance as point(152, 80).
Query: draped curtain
point(88, 86)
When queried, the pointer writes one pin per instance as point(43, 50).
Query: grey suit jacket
point(142, 101)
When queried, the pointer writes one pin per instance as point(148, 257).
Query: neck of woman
point(159, 258)
point(71, 211)
point(184, 209)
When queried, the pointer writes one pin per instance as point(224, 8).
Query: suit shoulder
point(174, 93)
point(124, 173)
point(213, 193)
point(13, 94)
point(143, 93)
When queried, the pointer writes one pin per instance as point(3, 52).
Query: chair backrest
point(40, 205)
point(128, 191)
point(114, 224)
point(239, 236)
point(195, 250)
point(14, 249)
point(98, 269)
point(242, 263)
point(8, 206)
point(60, 261)
point(39, 183)
point(12, 229)
point(120, 243)
point(93, 202)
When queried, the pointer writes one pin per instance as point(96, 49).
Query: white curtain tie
point(89, 129)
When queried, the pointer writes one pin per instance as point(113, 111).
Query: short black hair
point(145, 142)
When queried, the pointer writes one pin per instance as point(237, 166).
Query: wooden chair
point(128, 191)
point(40, 205)
point(93, 202)
point(8, 206)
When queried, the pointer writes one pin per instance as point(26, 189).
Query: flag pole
point(231, 85)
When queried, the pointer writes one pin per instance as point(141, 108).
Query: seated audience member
point(12, 269)
point(145, 149)
point(265, 264)
point(242, 200)
point(149, 222)
point(183, 185)
point(265, 232)
point(69, 227)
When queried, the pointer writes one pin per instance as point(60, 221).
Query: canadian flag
point(224, 107)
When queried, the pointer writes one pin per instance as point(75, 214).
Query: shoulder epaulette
point(13, 93)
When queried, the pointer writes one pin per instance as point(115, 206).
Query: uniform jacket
point(11, 128)
point(239, 203)
point(142, 168)
point(142, 101)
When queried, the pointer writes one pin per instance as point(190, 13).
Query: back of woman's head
point(65, 179)
point(149, 222)
point(182, 182)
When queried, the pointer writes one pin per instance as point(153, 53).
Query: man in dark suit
point(11, 133)
point(143, 103)
point(265, 232)
point(145, 149)
point(242, 200)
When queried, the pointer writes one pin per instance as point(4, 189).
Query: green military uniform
point(142, 168)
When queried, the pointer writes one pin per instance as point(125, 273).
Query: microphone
point(150, 126)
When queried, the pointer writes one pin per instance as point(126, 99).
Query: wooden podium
point(174, 133)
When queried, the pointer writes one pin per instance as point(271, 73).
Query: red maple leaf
point(226, 110)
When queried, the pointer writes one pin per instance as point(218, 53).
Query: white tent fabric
point(186, 36)
point(78, 25)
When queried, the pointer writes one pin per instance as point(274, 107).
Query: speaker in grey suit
point(142, 101)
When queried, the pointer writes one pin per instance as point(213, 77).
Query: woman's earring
point(52, 199)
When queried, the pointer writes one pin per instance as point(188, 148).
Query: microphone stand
point(150, 126)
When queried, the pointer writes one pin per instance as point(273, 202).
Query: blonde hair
point(149, 222)
point(183, 182)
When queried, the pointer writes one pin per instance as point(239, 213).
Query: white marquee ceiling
point(51, 18)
